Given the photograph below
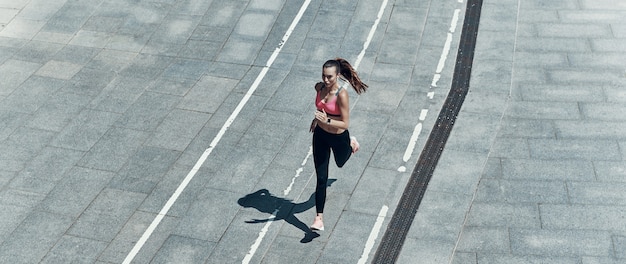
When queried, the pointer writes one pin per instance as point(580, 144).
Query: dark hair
point(345, 69)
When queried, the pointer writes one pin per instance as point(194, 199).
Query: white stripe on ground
point(373, 234)
point(410, 148)
point(157, 220)
point(286, 192)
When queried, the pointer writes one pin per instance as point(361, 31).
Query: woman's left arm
point(344, 106)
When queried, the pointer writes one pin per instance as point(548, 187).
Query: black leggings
point(323, 142)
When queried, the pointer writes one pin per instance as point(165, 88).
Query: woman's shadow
point(284, 209)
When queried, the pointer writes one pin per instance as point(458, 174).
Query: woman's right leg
point(321, 159)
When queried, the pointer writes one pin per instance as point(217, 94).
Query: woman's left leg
point(342, 150)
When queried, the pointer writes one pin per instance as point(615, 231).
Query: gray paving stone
point(551, 44)
point(372, 183)
point(554, 5)
point(346, 245)
point(45, 228)
point(610, 171)
point(425, 251)
point(114, 149)
point(542, 110)
point(516, 191)
point(183, 249)
point(540, 15)
point(618, 30)
point(497, 17)
point(582, 217)
point(550, 170)
point(75, 191)
point(496, 48)
point(574, 149)
point(111, 60)
point(89, 38)
point(493, 168)
point(471, 138)
point(485, 239)
point(603, 111)
point(511, 148)
point(464, 258)
point(244, 235)
point(16, 73)
point(22, 146)
point(74, 249)
point(558, 93)
point(119, 95)
point(573, 30)
point(186, 68)
point(37, 51)
point(85, 130)
point(600, 260)
point(10, 121)
point(602, 4)
point(148, 111)
point(6, 177)
point(391, 73)
point(235, 171)
point(117, 250)
point(51, 164)
point(11, 219)
point(179, 126)
point(502, 214)
point(208, 94)
point(590, 129)
point(565, 243)
point(33, 93)
point(144, 169)
point(21, 198)
point(457, 176)
point(205, 218)
point(58, 111)
point(598, 76)
point(106, 215)
point(283, 247)
point(89, 81)
point(528, 259)
point(596, 193)
point(438, 208)
point(605, 60)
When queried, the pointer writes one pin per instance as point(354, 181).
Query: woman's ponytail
point(348, 72)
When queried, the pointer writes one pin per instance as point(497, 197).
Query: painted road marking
point(410, 148)
point(373, 235)
point(157, 220)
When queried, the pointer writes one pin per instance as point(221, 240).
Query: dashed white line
point(373, 235)
point(436, 77)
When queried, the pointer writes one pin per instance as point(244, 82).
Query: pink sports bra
point(330, 107)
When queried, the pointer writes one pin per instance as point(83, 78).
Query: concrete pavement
point(106, 106)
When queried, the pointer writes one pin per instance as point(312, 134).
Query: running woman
point(330, 126)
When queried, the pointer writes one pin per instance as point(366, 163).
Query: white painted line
point(370, 36)
point(298, 171)
point(373, 234)
point(157, 220)
point(259, 239)
point(444, 53)
point(436, 78)
point(455, 20)
point(423, 114)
